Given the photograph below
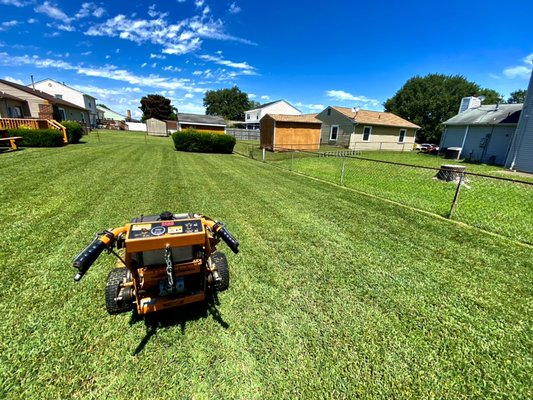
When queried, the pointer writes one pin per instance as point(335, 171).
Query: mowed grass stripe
point(333, 295)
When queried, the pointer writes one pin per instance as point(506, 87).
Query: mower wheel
point(220, 261)
point(115, 301)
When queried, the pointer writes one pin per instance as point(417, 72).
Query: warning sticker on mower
point(175, 229)
point(141, 227)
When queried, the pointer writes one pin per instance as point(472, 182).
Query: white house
point(61, 91)
point(484, 132)
point(520, 156)
point(252, 117)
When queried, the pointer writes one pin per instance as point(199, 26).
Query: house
point(295, 132)
point(61, 91)
point(105, 114)
point(253, 117)
point(520, 155)
point(38, 104)
point(12, 107)
point(483, 132)
point(366, 130)
point(198, 122)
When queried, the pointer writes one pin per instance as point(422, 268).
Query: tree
point(429, 101)
point(518, 96)
point(227, 103)
point(155, 106)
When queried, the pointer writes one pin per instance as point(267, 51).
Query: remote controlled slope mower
point(169, 260)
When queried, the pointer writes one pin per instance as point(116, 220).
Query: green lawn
point(496, 205)
point(333, 295)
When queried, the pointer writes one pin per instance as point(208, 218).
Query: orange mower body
point(166, 261)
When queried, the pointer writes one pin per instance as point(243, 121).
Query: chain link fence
point(495, 204)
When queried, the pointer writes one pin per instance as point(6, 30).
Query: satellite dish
point(356, 109)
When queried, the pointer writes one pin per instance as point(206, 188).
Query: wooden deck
point(14, 123)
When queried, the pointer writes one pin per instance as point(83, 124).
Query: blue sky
point(311, 53)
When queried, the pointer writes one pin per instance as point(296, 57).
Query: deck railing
point(14, 123)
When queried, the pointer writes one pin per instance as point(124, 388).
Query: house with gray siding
point(38, 104)
point(366, 130)
point(520, 156)
point(484, 133)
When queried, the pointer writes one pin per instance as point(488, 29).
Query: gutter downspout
point(464, 140)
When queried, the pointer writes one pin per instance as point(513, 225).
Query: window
point(367, 131)
point(333, 132)
point(14, 112)
point(62, 114)
point(401, 138)
point(59, 96)
point(247, 116)
point(329, 111)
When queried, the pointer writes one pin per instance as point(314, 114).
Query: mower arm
point(224, 234)
point(88, 256)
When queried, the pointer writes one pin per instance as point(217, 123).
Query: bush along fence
point(494, 204)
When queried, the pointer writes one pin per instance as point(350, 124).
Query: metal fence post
point(264, 154)
point(456, 197)
point(292, 159)
point(342, 170)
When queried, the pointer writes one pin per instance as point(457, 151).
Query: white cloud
point(107, 71)
point(14, 80)
point(4, 26)
point(189, 96)
point(52, 11)
point(177, 38)
point(265, 97)
point(144, 65)
point(90, 9)
point(251, 96)
point(310, 107)
point(234, 8)
point(16, 3)
point(31, 21)
point(494, 76)
point(199, 3)
point(244, 67)
point(520, 71)
point(86, 53)
point(171, 68)
point(341, 95)
point(193, 108)
point(158, 56)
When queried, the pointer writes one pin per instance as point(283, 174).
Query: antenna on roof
point(32, 83)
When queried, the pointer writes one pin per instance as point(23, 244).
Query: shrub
point(74, 131)
point(38, 137)
point(190, 140)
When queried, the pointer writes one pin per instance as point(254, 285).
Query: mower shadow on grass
point(170, 318)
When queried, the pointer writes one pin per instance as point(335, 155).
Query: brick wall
point(46, 111)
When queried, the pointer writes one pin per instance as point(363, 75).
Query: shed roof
point(489, 114)
point(38, 93)
point(201, 119)
point(305, 118)
point(375, 118)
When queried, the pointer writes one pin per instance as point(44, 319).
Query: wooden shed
point(290, 132)
point(156, 127)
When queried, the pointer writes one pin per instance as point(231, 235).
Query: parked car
point(428, 148)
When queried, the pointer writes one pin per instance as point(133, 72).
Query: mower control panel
point(155, 229)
